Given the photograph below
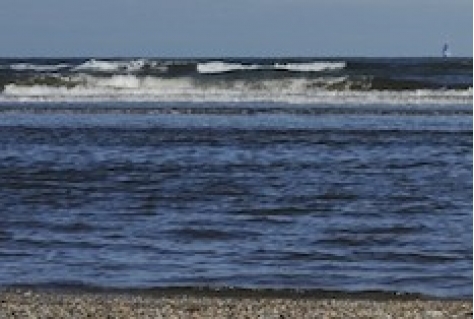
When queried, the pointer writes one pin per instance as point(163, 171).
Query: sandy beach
point(182, 303)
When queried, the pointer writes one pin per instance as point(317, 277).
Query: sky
point(234, 28)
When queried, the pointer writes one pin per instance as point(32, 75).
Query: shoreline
point(188, 302)
point(226, 292)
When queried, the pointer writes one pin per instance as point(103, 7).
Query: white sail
point(446, 52)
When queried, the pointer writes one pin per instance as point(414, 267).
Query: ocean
point(328, 174)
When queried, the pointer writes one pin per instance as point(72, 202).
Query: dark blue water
point(321, 197)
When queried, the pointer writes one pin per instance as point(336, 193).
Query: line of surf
point(214, 67)
point(134, 91)
point(38, 67)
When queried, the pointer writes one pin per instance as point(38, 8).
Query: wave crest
point(187, 89)
point(310, 67)
point(111, 66)
point(38, 67)
point(224, 67)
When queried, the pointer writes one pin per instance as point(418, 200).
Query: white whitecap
point(38, 67)
point(222, 67)
point(310, 67)
point(129, 87)
point(110, 66)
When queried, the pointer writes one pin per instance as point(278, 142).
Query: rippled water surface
point(329, 198)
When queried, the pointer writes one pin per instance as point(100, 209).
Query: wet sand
point(195, 303)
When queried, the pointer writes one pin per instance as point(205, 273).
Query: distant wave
point(212, 67)
point(311, 67)
point(110, 66)
point(223, 67)
point(38, 67)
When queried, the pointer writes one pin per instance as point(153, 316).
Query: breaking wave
point(223, 67)
point(296, 90)
point(38, 67)
point(310, 67)
point(359, 81)
point(110, 66)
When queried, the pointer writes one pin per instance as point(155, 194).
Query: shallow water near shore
point(330, 197)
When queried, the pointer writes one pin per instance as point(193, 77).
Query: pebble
point(38, 304)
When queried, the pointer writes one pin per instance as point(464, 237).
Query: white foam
point(310, 67)
point(296, 91)
point(37, 67)
point(222, 67)
point(110, 66)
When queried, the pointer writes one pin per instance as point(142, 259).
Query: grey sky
point(183, 28)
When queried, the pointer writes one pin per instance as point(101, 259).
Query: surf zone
point(296, 81)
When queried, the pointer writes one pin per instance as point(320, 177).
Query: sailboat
point(446, 52)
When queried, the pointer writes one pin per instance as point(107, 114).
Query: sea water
point(341, 175)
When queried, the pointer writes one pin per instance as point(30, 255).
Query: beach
point(168, 303)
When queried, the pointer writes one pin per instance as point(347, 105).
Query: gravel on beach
point(53, 304)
